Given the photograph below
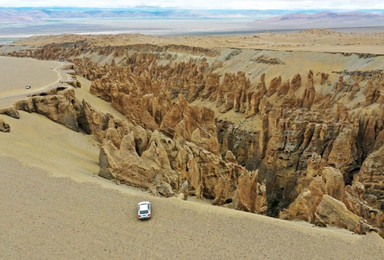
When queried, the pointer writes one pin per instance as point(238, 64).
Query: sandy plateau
point(313, 40)
point(286, 125)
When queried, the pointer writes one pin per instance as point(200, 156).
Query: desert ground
point(54, 206)
point(310, 40)
point(45, 217)
point(16, 74)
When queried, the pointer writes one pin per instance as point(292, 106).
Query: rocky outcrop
point(309, 92)
point(163, 189)
point(250, 194)
point(333, 212)
point(97, 124)
point(58, 108)
point(368, 208)
point(344, 153)
point(240, 142)
point(268, 60)
point(323, 78)
point(137, 159)
point(274, 86)
point(293, 137)
point(325, 200)
point(155, 161)
point(372, 175)
point(295, 84)
point(191, 123)
point(4, 127)
point(163, 159)
point(10, 111)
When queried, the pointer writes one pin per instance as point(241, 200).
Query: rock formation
point(324, 200)
point(4, 127)
point(149, 159)
point(10, 111)
point(58, 108)
point(372, 175)
point(311, 145)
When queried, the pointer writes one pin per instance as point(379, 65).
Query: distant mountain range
point(23, 22)
point(272, 19)
point(322, 20)
point(12, 15)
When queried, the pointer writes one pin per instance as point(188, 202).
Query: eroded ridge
point(287, 134)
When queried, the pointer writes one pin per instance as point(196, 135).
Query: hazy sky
point(206, 4)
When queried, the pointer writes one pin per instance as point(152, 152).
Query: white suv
point(144, 210)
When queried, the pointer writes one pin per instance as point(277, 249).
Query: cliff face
point(240, 130)
point(150, 159)
point(323, 199)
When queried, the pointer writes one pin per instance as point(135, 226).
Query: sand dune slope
point(38, 141)
point(56, 218)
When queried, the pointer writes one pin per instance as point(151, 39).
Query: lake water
point(11, 31)
point(6, 40)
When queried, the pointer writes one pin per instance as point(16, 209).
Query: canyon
point(296, 135)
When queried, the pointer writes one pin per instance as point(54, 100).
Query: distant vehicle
point(27, 87)
point(144, 210)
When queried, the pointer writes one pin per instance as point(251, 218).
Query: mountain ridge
point(325, 19)
point(38, 14)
